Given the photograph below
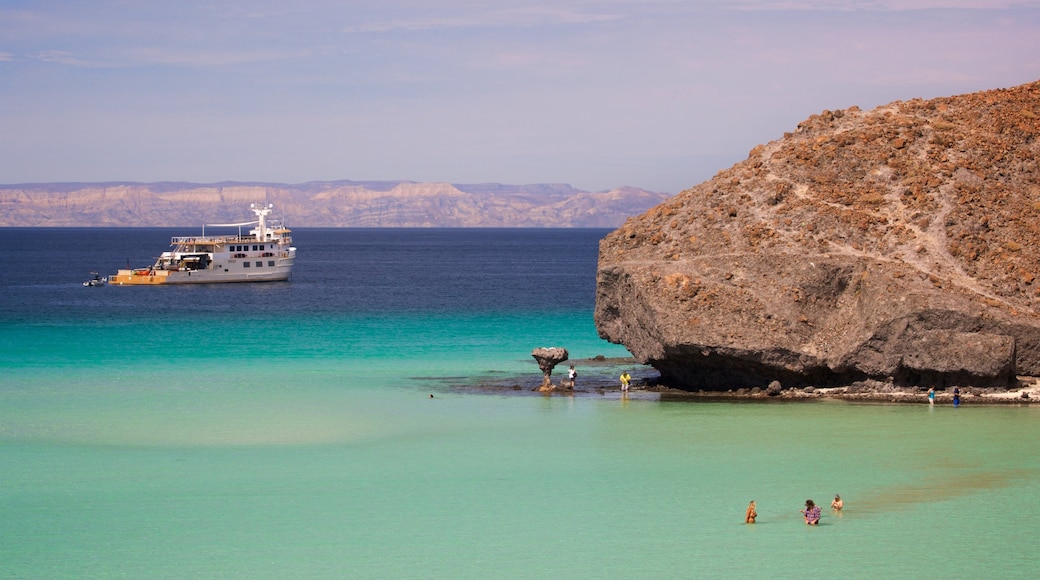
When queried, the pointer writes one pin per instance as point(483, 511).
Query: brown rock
point(893, 244)
point(548, 358)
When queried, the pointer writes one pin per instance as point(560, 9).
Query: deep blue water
point(338, 270)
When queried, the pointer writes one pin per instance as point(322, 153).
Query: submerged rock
point(896, 244)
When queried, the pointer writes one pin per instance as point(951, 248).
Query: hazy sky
point(658, 94)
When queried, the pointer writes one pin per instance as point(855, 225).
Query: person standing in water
point(625, 380)
point(572, 375)
point(751, 514)
point(931, 395)
point(837, 504)
point(956, 397)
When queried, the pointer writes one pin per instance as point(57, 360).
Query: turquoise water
point(263, 445)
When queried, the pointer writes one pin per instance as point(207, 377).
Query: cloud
point(509, 18)
point(208, 57)
point(67, 58)
point(139, 57)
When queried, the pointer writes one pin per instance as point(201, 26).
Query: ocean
point(287, 430)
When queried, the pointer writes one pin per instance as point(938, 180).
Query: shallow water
point(287, 430)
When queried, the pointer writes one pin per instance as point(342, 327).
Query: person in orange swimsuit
point(749, 517)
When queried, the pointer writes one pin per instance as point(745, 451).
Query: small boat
point(266, 254)
point(96, 280)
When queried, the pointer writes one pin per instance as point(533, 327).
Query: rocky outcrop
point(897, 244)
point(548, 358)
point(321, 204)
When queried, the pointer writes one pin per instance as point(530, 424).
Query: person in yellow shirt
point(625, 380)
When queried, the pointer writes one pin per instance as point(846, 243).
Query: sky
point(655, 94)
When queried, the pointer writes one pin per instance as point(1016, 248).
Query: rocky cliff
point(897, 244)
point(321, 204)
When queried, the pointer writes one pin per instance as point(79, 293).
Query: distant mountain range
point(321, 204)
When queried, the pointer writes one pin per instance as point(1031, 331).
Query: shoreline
point(1027, 393)
point(645, 385)
point(899, 395)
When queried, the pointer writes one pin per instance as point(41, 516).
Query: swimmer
point(749, 517)
point(837, 504)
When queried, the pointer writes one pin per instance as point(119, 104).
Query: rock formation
point(897, 244)
point(547, 359)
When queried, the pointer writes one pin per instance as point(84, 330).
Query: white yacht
point(265, 255)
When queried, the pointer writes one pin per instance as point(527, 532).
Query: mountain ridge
point(338, 203)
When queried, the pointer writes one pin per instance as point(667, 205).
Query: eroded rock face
point(548, 358)
point(898, 244)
